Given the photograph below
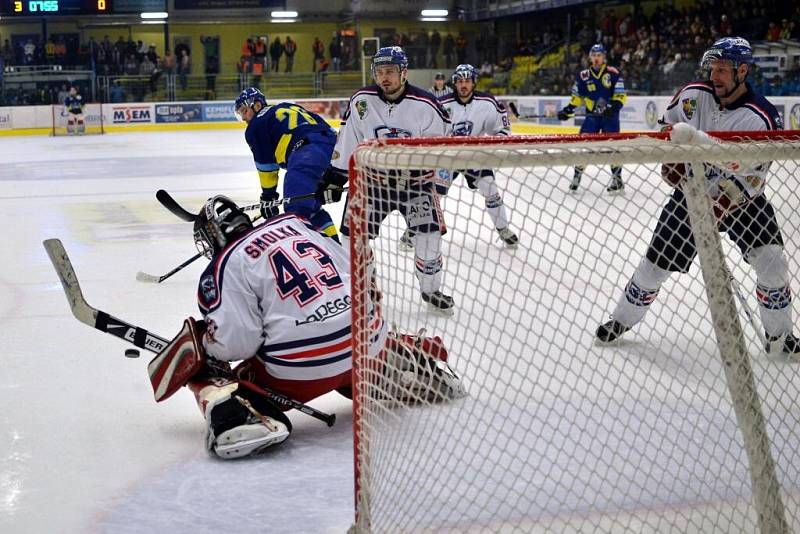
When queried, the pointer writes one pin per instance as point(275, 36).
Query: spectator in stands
point(184, 67)
point(461, 48)
point(725, 27)
point(317, 53)
point(773, 32)
point(169, 64)
point(50, 51)
point(786, 31)
point(335, 52)
point(275, 53)
point(63, 92)
point(248, 49)
point(289, 50)
point(260, 53)
point(212, 69)
point(28, 50)
point(433, 48)
point(61, 51)
point(449, 49)
point(117, 93)
point(7, 53)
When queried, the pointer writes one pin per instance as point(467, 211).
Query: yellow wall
point(232, 35)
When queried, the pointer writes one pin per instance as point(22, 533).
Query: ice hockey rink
point(84, 447)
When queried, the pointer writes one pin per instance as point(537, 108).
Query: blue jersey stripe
point(306, 343)
point(308, 363)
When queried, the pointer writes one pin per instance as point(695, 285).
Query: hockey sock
point(428, 261)
point(772, 289)
point(322, 220)
point(641, 291)
point(494, 203)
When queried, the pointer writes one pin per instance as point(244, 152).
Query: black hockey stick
point(136, 335)
point(514, 111)
point(153, 279)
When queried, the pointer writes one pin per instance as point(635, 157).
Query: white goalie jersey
point(416, 113)
point(482, 114)
point(697, 105)
point(282, 292)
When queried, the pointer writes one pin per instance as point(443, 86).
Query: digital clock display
point(44, 8)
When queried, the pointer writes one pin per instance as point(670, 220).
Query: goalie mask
point(218, 224)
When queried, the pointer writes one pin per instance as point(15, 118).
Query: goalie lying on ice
point(278, 297)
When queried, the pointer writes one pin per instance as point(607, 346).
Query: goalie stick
point(136, 335)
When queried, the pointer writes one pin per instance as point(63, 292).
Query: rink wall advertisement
point(640, 113)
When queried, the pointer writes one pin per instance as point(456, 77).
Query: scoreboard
point(54, 8)
point(46, 8)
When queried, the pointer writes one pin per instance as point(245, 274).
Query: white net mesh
point(559, 433)
point(92, 117)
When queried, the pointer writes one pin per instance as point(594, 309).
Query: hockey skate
point(787, 345)
point(610, 331)
point(236, 429)
point(439, 302)
point(406, 243)
point(616, 187)
point(509, 238)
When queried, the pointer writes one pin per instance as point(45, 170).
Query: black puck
point(132, 353)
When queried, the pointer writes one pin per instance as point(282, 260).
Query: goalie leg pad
point(180, 360)
point(239, 420)
point(416, 370)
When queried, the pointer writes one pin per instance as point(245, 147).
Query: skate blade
point(448, 312)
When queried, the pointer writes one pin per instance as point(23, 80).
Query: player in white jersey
point(395, 108)
point(277, 296)
point(73, 109)
point(474, 113)
point(725, 102)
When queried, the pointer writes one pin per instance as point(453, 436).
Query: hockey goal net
point(92, 117)
point(685, 424)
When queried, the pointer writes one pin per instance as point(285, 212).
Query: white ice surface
point(604, 431)
point(83, 446)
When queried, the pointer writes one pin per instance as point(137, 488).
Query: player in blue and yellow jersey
point(287, 136)
point(601, 89)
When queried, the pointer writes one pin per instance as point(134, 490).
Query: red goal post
point(684, 426)
point(92, 117)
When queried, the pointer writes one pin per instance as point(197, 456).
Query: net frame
point(573, 150)
point(93, 119)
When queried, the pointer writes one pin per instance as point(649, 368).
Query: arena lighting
point(154, 22)
point(434, 13)
point(433, 19)
point(154, 15)
point(284, 14)
point(279, 21)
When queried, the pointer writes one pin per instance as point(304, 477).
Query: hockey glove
point(612, 109)
point(565, 113)
point(268, 209)
point(331, 186)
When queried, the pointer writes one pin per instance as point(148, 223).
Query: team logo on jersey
point(463, 128)
point(386, 132)
point(327, 311)
point(651, 114)
point(584, 75)
point(689, 107)
point(591, 87)
point(335, 154)
point(606, 80)
point(208, 288)
point(753, 181)
point(361, 109)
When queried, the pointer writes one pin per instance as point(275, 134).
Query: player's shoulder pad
point(421, 95)
point(584, 74)
point(764, 109)
point(701, 85)
point(488, 97)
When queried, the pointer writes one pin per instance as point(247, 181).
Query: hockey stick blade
point(91, 316)
point(153, 279)
point(172, 205)
point(148, 278)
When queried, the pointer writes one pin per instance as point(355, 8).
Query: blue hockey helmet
point(390, 55)
point(248, 98)
point(598, 49)
point(734, 49)
point(464, 71)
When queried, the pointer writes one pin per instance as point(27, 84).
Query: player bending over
point(725, 102)
point(395, 108)
point(602, 90)
point(277, 296)
point(287, 136)
point(73, 109)
point(474, 113)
